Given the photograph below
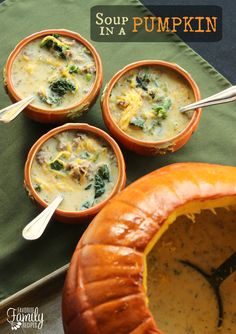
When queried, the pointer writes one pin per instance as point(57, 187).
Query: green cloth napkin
point(22, 262)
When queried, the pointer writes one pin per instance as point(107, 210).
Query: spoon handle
point(227, 95)
point(9, 113)
point(224, 270)
point(36, 227)
point(219, 275)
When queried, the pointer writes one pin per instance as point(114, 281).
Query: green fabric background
point(22, 262)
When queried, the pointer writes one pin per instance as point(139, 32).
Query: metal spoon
point(36, 227)
point(227, 95)
point(216, 278)
point(9, 113)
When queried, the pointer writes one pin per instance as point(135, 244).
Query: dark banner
point(135, 24)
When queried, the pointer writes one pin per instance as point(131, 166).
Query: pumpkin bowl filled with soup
point(159, 258)
point(81, 163)
point(60, 68)
point(141, 106)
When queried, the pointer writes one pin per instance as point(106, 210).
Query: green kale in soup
point(138, 122)
point(53, 43)
point(58, 88)
point(62, 87)
point(103, 172)
point(64, 165)
point(142, 81)
point(101, 177)
point(88, 186)
point(50, 99)
point(56, 165)
point(145, 103)
point(99, 186)
point(86, 205)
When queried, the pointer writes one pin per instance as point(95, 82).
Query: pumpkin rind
point(104, 291)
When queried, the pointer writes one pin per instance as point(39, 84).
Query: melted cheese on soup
point(79, 166)
point(180, 298)
point(58, 70)
point(145, 103)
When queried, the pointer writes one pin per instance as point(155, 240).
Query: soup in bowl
point(141, 106)
point(191, 278)
point(60, 69)
point(79, 162)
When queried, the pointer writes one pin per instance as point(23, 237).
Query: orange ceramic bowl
point(75, 216)
point(150, 147)
point(64, 114)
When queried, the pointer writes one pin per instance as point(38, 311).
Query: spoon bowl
point(11, 112)
point(37, 226)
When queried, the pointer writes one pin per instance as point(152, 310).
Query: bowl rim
point(84, 127)
point(64, 32)
point(161, 63)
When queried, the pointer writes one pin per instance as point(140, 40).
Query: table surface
point(219, 53)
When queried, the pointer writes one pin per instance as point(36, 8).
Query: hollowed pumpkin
point(106, 287)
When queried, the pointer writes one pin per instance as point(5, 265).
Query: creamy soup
point(58, 70)
point(145, 103)
point(180, 298)
point(79, 166)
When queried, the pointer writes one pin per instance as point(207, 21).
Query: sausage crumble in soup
point(58, 70)
point(145, 103)
point(79, 166)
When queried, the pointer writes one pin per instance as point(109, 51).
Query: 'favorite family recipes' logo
point(25, 317)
